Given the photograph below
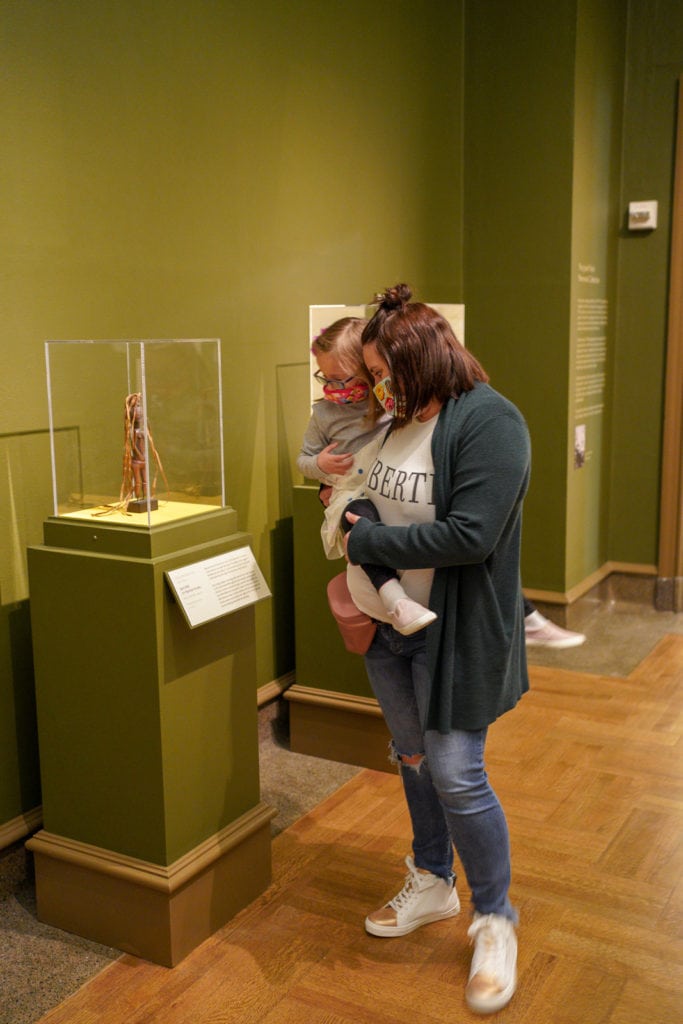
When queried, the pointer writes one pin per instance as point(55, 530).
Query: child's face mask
point(385, 395)
point(356, 391)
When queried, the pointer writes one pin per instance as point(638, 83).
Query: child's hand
point(334, 464)
point(352, 518)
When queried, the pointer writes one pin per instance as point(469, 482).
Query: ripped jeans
point(450, 800)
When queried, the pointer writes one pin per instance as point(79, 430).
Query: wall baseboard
point(14, 830)
point(274, 689)
point(580, 589)
point(160, 913)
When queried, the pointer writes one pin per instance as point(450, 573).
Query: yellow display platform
point(167, 512)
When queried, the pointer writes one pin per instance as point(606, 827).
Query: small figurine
point(137, 439)
point(137, 444)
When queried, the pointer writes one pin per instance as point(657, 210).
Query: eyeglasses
point(331, 382)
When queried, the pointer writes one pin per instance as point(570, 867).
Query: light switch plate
point(642, 216)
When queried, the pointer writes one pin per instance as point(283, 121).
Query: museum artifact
point(138, 445)
point(136, 494)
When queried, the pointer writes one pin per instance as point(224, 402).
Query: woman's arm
point(486, 474)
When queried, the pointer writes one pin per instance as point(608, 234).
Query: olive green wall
point(570, 113)
point(596, 218)
point(209, 169)
point(518, 165)
point(654, 63)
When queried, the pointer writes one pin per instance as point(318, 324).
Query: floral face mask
point(385, 395)
point(357, 391)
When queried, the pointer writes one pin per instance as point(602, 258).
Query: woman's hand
point(334, 464)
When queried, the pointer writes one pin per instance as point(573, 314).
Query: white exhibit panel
point(217, 586)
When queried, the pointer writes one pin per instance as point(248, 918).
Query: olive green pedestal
point(332, 710)
point(154, 833)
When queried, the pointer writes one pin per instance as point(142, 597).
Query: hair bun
point(394, 298)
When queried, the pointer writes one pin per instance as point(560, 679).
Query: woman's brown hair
point(424, 356)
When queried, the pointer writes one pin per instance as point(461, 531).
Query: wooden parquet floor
point(589, 770)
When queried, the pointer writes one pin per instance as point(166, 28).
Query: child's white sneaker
point(493, 975)
point(424, 898)
point(405, 615)
point(408, 616)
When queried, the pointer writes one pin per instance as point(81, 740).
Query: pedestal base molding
point(338, 726)
point(155, 912)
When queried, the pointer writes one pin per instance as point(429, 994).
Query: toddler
point(342, 439)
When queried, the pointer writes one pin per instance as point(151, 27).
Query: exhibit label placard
point(217, 586)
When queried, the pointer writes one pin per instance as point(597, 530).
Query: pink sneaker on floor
point(541, 632)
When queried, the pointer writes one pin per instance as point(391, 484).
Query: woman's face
point(377, 367)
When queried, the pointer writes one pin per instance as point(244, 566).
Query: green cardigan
point(475, 649)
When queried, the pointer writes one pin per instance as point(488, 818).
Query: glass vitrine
point(136, 429)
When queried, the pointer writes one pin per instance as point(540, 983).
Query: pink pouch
point(357, 628)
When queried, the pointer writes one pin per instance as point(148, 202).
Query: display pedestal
point(154, 833)
point(332, 711)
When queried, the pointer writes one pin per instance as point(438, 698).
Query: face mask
point(357, 392)
point(385, 395)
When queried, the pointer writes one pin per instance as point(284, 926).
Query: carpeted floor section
point(39, 966)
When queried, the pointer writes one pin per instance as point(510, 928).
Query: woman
point(448, 484)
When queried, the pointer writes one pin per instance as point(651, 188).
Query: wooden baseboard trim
point(165, 879)
point(274, 689)
point(632, 568)
point(580, 589)
point(157, 912)
point(21, 826)
point(330, 699)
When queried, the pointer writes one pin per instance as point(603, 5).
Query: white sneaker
point(408, 616)
point(424, 898)
point(541, 632)
point(493, 975)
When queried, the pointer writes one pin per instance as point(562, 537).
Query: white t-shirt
point(400, 484)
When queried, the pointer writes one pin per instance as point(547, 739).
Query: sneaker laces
point(414, 884)
point(489, 936)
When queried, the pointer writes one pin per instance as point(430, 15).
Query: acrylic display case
point(136, 430)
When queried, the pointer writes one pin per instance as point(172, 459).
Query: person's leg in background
point(541, 632)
